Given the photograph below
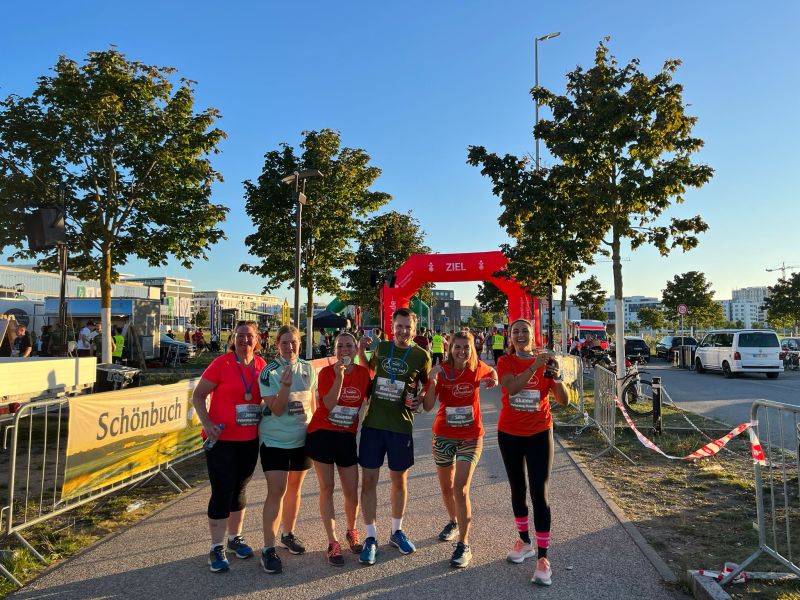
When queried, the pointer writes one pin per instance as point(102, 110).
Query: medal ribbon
point(247, 388)
point(391, 361)
point(454, 377)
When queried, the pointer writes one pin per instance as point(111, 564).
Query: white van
point(735, 351)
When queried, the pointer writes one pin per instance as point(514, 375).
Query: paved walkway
point(164, 556)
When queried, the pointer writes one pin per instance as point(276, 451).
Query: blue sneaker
point(239, 546)
point(217, 561)
point(399, 540)
point(367, 556)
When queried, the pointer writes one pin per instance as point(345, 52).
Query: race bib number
point(248, 414)
point(459, 416)
point(387, 390)
point(298, 401)
point(343, 416)
point(525, 401)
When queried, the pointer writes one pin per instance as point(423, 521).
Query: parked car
point(170, 348)
point(667, 344)
point(735, 351)
point(637, 350)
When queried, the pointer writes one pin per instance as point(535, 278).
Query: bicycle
point(637, 393)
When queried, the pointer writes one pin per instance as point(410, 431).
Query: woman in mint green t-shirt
point(288, 388)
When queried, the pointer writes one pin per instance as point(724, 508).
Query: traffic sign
point(682, 309)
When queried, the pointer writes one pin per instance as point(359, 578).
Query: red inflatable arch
point(420, 269)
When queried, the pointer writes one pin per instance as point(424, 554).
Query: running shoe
point(239, 546)
point(292, 543)
point(399, 540)
point(217, 561)
point(543, 575)
point(335, 557)
point(520, 552)
point(352, 539)
point(270, 561)
point(369, 552)
point(449, 532)
point(461, 555)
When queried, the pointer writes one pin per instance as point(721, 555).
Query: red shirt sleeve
point(325, 381)
point(213, 372)
point(504, 366)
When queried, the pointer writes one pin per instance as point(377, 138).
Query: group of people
point(88, 342)
point(292, 419)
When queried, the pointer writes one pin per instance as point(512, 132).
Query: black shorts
point(332, 447)
point(283, 459)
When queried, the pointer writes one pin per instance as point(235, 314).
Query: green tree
point(553, 232)
point(783, 303)
point(480, 319)
point(201, 317)
point(695, 292)
point(651, 318)
point(384, 244)
point(589, 299)
point(624, 143)
point(123, 142)
point(491, 300)
point(337, 205)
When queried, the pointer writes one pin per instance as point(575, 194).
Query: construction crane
point(783, 268)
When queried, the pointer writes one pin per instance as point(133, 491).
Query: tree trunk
point(619, 317)
point(105, 304)
point(564, 281)
point(309, 321)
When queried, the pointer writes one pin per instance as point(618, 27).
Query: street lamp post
point(536, 41)
point(300, 197)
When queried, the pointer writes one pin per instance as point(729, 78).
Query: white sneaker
point(520, 552)
point(543, 575)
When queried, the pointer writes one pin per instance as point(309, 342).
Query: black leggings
point(535, 451)
point(230, 467)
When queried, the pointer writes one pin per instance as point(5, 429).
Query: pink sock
point(521, 523)
point(543, 539)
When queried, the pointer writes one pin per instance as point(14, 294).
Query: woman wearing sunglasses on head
point(230, 427)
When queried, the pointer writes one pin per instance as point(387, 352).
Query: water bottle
point(209, 442)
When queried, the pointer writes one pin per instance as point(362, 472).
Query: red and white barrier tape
point(709, 449)
point(726, 570)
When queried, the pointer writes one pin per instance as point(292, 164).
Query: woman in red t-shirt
point(230, 426)
point(331, 439)
point(458, 434)
point(525, 439)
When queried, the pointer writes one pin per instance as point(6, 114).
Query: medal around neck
point(346, 360)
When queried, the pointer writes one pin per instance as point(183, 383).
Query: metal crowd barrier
point(777, 485)
point(605, 409)
point(571, 371)
point(36, 446)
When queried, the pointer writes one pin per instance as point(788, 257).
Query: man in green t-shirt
point(401, 370)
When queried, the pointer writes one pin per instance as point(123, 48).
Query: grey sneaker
point(449, 532)
point(461, 555)
point(292, 543)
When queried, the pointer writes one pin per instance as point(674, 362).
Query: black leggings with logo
point(230, 467)
point(535, 452)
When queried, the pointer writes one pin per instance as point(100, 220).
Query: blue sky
point(416, 83)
